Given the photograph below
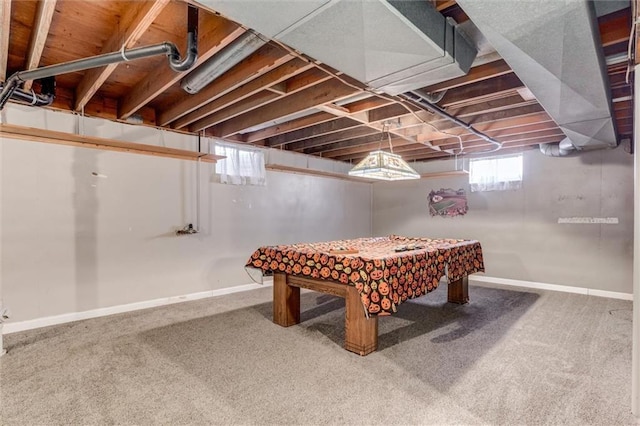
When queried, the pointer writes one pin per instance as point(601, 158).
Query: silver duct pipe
point(555, 49)
point(562, 149)
point(419, 99)
point(167, 48)
point(217, 65)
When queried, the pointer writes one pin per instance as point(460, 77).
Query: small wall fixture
point(187, 230)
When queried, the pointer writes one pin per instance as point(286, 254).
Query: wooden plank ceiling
point(277, 97)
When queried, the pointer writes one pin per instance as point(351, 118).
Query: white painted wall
point(73, 242)
point(519, 229)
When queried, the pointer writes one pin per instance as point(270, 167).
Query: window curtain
point(242, 166)
point(495, 174)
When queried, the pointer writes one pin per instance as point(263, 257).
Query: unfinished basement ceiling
point(285, 97)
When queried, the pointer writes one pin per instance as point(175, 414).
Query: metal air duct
point(391, 45)
point(231, 55)
point(554, 47)
point(562, 149)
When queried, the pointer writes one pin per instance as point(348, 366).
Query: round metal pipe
point(167, 48)
point(95, 61)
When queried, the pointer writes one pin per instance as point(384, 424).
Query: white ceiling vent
point(390, 45)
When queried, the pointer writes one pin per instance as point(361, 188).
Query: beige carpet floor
point(510, 357)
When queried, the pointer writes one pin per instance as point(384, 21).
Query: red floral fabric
point(384, 276)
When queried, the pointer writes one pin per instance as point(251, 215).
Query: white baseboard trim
point(482, 279)
point(14, 327)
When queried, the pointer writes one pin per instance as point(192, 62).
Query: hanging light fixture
point(384, 165)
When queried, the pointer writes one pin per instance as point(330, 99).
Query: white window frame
point(243, 165)
point(498, 173)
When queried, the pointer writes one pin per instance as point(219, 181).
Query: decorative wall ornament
point(448, 202)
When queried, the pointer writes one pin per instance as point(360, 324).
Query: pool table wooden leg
point(361, 333)
point(286, 301)
point(458, 291)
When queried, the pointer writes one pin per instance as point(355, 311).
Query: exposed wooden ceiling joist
point(300, 82)
point(312, 97)
point(219, 34)
point(328, 127)
point(280, 98)
point(216, 102)
point(268, 58)
point(39, 33)
point(5, 26)
point(475, 74)
point(481, 90)
point(260, 136)
point(135, 21)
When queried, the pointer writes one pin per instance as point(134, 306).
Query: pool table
point(373, 275)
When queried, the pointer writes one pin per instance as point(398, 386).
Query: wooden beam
point(283, 72)
point(428, 134)
point(533, 122)
point(289, 126)
point(61, 138)
point(254, 101)
point(513, 122)
point(365, 144)
point(372, 118)
point(476, 74)
point(389, 112)
point(5, 26)
point(320, 94)
point(483, 89)
point(360, 147)
point(491, 105)
point(279, 88)
point(522, 137)
point(246, 74)
point(306, 79)
point(367, 104)
point(333, 138)
point(500, 134)
point(137, 18)
point(39, 33)
point(220, 32)
point(615, 27)
point(328, 127)
point(507, 135)
point(480, 147)
point(444, 4)
point(238, 108)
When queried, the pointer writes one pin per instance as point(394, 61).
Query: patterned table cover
point(384, 277)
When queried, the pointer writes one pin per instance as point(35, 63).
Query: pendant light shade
point(385, 166)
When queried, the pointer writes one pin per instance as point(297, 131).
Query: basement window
point(242, 165)
point(496, 173)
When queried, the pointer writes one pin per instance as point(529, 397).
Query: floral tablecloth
point(385, 270)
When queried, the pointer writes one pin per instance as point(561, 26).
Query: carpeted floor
point(509, 357)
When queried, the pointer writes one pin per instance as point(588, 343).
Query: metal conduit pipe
point(418, 99)
point(34, 99)
point(167, 48)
